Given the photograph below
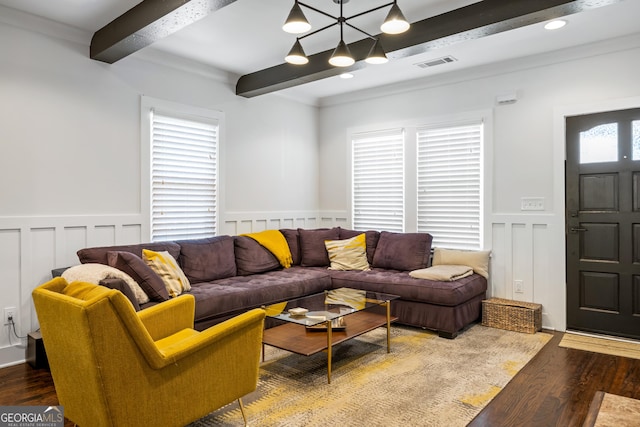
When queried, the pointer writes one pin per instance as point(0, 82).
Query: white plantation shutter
point(449, 185)
point(184, 169)
point(378, 181)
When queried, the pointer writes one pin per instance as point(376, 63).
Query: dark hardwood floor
point(554, 389)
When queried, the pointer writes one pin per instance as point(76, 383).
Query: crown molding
point(546, 59)
point(47, 27)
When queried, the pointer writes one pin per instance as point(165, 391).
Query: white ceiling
point(246, 36)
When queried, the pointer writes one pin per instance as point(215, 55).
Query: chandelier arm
point(319, 11)
point(370, 10)
point(318, 30)
point(362, 31)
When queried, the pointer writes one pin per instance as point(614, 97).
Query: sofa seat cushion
point(411, 289)
point(233, 294)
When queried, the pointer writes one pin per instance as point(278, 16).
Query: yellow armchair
point(113, 366)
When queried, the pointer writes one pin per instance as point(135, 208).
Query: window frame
point(183, 111)
point(410, 127)
point(394, 135)
point(460, 212)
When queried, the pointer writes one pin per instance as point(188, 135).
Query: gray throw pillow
point(139, 271)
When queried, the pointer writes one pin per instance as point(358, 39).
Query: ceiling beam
point(148, 22)
point(471, 22)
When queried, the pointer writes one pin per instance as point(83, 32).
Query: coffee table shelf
point(355, 307)
point(298, 339)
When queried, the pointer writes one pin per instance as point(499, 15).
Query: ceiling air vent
point(437, 61)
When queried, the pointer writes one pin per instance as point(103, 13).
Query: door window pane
point(599, 144)
point(635, 137)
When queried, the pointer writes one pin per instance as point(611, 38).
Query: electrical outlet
point(518, 286)
point(10, 312)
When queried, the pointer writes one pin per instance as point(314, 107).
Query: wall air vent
point(437, 61)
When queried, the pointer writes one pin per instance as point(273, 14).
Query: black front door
point(603, 223)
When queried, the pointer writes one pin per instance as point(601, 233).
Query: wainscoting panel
point(524, 249)
point(500, 260)
point(30, 247)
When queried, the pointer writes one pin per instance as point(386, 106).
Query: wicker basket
point(512, 315)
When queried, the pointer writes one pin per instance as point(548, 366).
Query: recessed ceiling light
point(346, 76)
point(554, 25)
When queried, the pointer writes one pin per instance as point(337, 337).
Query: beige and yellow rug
point(610, 346)
point(425, 380)
point(610, 410)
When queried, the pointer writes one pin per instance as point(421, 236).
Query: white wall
point(70, 154)
point(527, 147)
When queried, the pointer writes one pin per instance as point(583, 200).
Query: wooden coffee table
point(333, 317)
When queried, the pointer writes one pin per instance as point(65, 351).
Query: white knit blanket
point(94, 273)
point(443, 272)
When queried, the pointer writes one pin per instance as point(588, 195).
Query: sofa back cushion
point(293, 240)
point(402, 251)
point(313, 252)
point(252, 257)
point(204, 260)
point(100, 254)
point(371, 236)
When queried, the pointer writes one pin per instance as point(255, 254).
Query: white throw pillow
point(478, 260)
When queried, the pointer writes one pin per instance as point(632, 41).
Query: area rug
point(610, 346)
point(610, 410)
point(425, 380)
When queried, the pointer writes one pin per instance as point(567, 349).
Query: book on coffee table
point(337, 324)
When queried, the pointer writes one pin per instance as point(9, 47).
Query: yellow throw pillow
point(478, 260)
point(165, 266)
point(348, 254)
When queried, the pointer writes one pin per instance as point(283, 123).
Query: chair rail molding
point(235, 223)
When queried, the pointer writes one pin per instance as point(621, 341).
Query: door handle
point(577, 229)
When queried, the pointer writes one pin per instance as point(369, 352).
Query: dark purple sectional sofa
point(232, 274)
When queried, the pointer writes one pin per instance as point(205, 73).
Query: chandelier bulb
point(296, 22)
point(341, 56)
point(395, 23)
point(296, 55)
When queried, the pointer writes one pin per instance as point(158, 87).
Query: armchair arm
point(249, 324)
point(169, 317)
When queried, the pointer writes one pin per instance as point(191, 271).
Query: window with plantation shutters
point(378, 181)
point(184, 177)
point(449, 179)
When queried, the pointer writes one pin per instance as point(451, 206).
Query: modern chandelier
point(297, 23)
